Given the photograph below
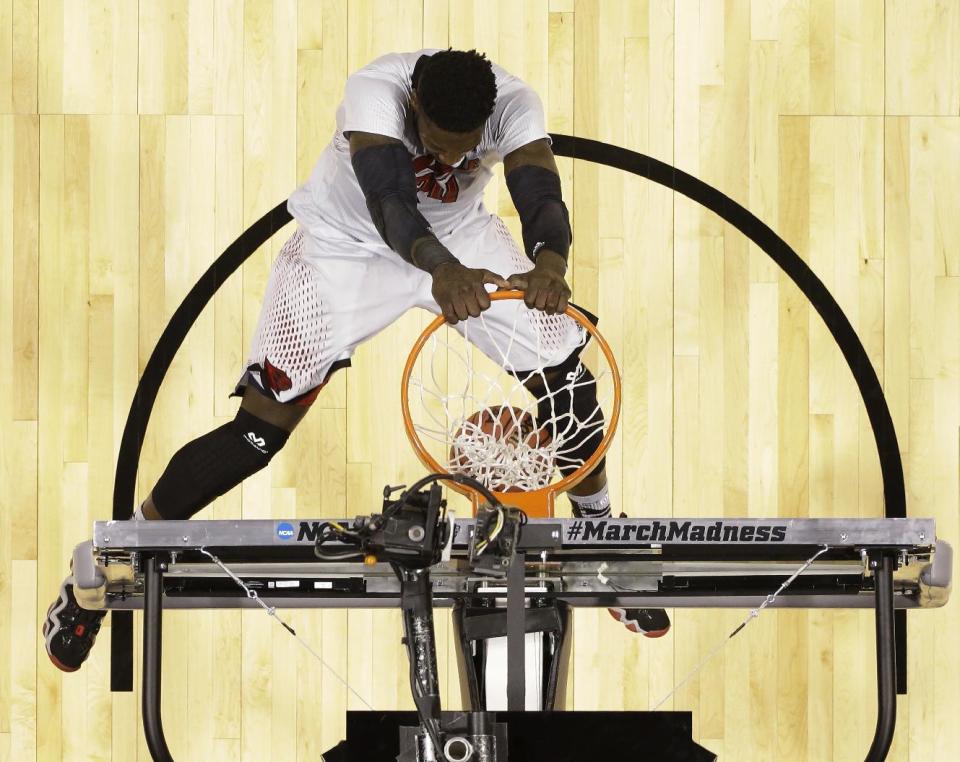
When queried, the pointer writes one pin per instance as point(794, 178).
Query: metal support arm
point(152, 647)
point(420, 640)
point(882, 565)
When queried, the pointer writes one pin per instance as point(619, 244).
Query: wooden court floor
point(139, 137)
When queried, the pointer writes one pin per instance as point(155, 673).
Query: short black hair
point(456, 89)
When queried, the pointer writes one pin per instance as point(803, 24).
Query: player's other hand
point(544, 287)
point(460, 292)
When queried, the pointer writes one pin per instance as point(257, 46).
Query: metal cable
point(272, 611)
point(754, 613)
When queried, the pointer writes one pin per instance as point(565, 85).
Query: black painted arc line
point(134, 430)
point(578, 148)
point(891, 465)
point(131, 443)
point(812, 287)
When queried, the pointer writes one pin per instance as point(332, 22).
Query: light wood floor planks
point(139, 137)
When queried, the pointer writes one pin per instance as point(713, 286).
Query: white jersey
point(330, 206)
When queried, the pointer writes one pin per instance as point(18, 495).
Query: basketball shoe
point(652, 623)
point(69, 631)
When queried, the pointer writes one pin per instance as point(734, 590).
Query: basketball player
point(391, 218)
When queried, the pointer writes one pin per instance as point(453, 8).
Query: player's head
point(454, 94)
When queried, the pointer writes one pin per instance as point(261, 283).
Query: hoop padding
point(482, 419)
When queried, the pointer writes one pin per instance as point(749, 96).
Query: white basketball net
point(481, 416)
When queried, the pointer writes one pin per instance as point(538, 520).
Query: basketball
point(501, 429)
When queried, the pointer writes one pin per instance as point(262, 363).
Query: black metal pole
point(882, 565)
point(416, 602)
point(152, 643)
point(516, 635)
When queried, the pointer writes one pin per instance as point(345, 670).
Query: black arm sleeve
point(386, 178)
point(543, 215)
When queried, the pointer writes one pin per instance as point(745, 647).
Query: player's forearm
point(547, 258)
point(545, 222)
point(428, 254)
point(386, 179)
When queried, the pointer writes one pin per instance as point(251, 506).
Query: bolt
point(843, 537)
point(416, 533)
point(186, 538)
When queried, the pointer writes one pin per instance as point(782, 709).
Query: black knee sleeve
point(567, 405)
point(207, 467)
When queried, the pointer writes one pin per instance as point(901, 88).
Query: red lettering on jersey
point(437, 180)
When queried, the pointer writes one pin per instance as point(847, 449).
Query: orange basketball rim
point(537, 503)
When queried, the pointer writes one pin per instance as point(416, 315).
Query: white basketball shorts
point(325, 298)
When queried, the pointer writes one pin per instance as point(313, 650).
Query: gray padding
point(939, 573)
point(86, 572)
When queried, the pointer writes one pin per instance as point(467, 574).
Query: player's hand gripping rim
point(460, 292)
point(544, 286)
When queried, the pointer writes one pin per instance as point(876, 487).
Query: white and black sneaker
point(69, 631)
point(653, 623)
